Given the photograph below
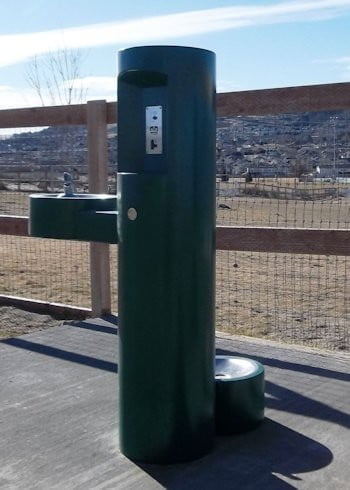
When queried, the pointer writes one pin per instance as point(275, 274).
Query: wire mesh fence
point(285, 170)
point(291, 298)
point(48, 270)
point(33, 162)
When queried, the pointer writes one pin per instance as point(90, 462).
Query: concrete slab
point(59, 422)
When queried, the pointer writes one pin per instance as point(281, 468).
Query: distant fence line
point(48, 178)
point(270, 191)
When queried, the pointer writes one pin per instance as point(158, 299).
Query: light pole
point(334, 118)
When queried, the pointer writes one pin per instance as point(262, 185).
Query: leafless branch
point(57, 77)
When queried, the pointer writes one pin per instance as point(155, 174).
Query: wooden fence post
point(98, 183)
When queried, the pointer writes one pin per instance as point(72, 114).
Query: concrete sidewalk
point(59, 421)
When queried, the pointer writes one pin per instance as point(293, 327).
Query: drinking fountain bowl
point(239, 386)
point(85, 217)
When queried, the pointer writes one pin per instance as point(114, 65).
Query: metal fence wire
point(289, 171)
point(48, 270)
point(55, 271)
point(285, 170)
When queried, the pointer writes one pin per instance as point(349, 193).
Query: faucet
point(68, 185)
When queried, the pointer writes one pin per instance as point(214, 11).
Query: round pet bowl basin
point(240, 386)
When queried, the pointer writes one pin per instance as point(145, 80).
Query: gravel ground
point(15, 322)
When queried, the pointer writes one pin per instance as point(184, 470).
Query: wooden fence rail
point(313, 241)
point(96, 115)
point(333, 96)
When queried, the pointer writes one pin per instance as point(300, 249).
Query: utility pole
point(334, 118)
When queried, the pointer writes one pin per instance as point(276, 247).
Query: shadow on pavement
point(65, 355)
point(252, 460)
point(292, 366)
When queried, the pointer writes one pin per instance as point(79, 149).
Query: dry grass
point(50, 270)
point(294, 298)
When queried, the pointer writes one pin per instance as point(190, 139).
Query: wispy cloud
point(344, 64)
point(227, 86)
point(97, 84)
point(340, 64)
point(344, 60)
point(97, 87)
point(20, 47)
point(10, 97)
point(92, 87)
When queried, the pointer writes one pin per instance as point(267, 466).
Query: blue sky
point(259, 44)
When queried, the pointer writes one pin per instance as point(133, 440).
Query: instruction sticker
point(154, 130)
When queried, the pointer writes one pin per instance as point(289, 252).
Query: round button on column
point(132, 214)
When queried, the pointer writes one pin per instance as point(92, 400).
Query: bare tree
point(57, 80)
point(57, 77)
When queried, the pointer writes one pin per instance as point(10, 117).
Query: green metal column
point(166, 229)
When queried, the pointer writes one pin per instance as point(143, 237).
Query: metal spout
point(68, 186)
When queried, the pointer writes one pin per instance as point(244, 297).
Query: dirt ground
point(15, 322)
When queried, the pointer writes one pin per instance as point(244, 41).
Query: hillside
point(277, 145)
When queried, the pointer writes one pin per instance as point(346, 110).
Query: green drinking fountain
point(163, 219)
